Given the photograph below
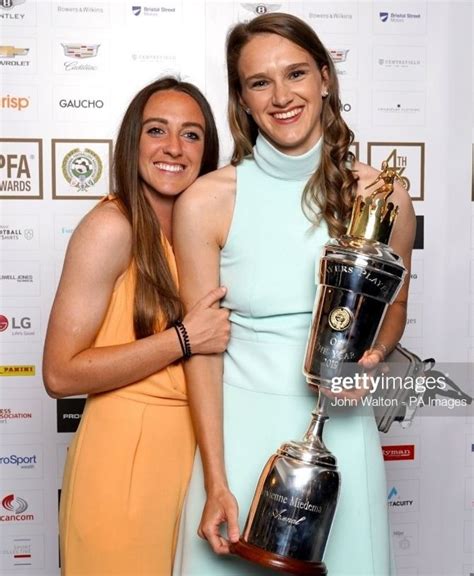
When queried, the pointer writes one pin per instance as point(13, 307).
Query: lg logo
point(16, 323)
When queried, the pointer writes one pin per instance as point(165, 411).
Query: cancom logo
point(17, 103)
point(17, 506)
point(14, 504)
point(3, 323)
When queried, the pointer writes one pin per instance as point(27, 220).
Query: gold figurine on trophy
point(388, 175)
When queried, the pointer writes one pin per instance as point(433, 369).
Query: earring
point(247, 110)
point(325, 94)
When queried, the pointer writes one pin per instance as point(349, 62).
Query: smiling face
point(171, 142)
point(282, 86)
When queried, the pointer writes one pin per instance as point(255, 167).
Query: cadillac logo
point(80, 50)
point(82, 168)
point(338, 55)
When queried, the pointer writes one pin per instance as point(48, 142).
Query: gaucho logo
point(83, 103)
point(17, 506)
point(399, 452)
point(69, 413)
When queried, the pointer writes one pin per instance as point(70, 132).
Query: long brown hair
point(155, 287)
point(329, 192)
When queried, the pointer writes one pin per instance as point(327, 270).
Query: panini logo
point(17, 370)
point(399, 452)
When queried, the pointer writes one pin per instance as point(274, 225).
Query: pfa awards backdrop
point(68, 70)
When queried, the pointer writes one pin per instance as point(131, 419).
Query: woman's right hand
point(221, 508)
point(208, 327)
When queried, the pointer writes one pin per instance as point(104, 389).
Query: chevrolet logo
point(12, 51)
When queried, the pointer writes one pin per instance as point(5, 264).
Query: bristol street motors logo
point(81, 171)
point(15, 508)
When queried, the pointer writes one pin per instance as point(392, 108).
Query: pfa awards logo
point(21, 168)
point(406, 158)
point(82, 168)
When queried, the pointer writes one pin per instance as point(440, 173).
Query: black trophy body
point(358, 279)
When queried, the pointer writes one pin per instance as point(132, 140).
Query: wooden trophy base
point(276, 561)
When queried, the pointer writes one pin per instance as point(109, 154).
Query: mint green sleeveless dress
point(269, 265)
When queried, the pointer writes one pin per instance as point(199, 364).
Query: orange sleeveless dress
point(128, 466)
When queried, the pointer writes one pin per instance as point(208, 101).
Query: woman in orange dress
point(117, 333)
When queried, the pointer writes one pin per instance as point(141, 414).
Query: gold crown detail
point(373, 218)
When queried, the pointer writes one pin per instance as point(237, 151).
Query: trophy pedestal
point(276, 561)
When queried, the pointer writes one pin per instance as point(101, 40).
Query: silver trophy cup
point(291, 515)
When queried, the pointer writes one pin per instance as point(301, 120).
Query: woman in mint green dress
point(257, 227)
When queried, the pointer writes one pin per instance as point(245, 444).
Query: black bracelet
point(184, 340)
point(183, 349)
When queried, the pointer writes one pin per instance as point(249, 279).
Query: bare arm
point(201, 219)
point(98, 254)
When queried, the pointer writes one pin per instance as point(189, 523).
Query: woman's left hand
point(369, 362)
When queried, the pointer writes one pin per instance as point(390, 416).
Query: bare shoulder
point(105, 231)
point(209, 201)
point(214, 187)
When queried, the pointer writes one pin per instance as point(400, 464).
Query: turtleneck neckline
point(283, 166)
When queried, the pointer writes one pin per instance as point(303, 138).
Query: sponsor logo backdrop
point(405, 83)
